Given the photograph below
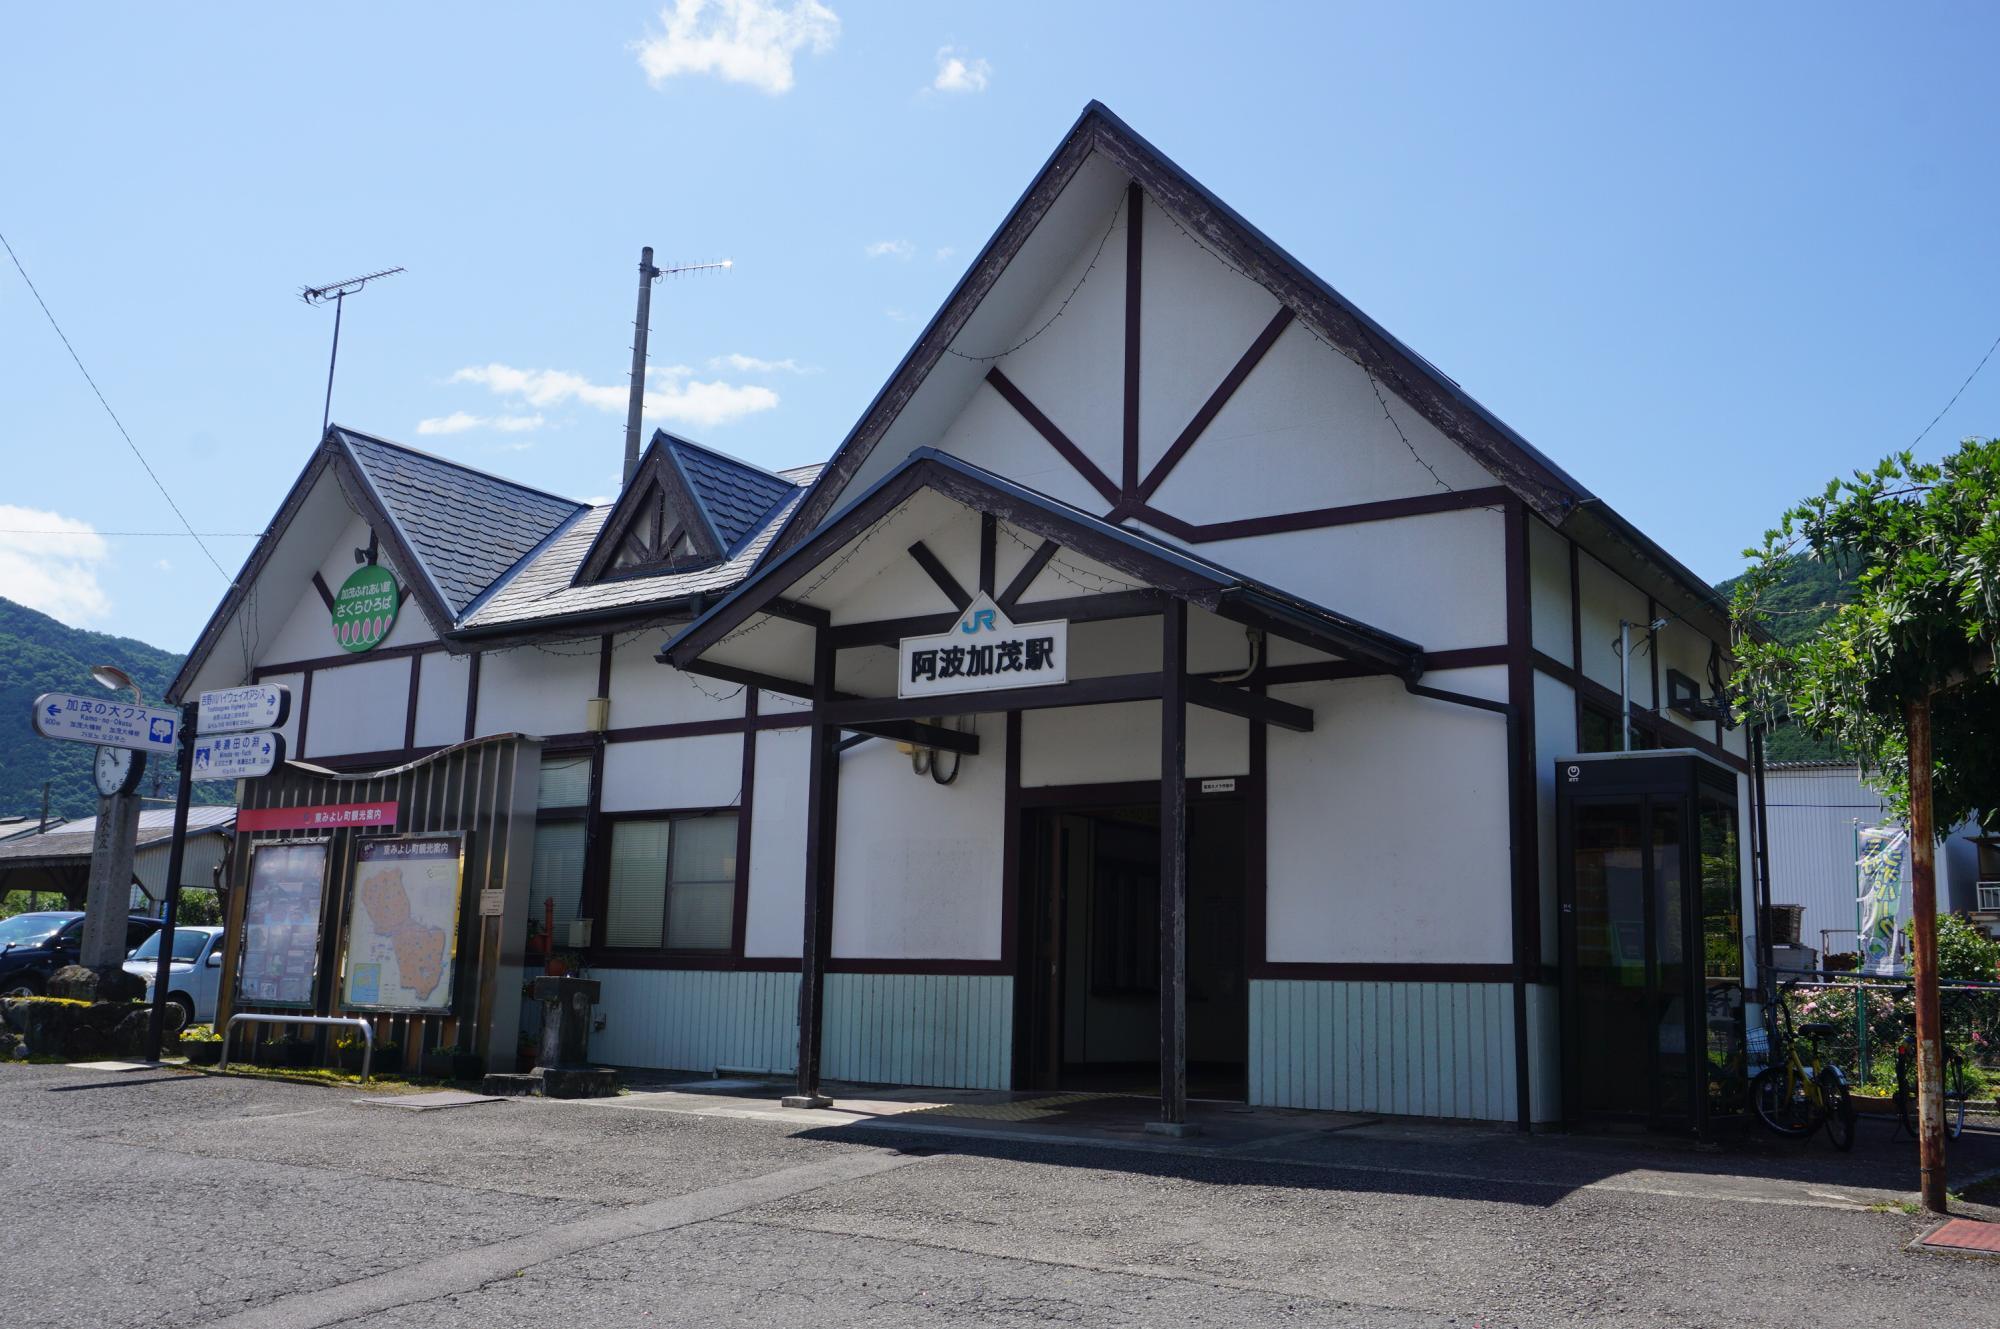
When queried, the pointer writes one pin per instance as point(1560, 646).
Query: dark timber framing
point(1173, 867)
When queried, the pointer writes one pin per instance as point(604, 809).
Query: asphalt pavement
point(169, 1198)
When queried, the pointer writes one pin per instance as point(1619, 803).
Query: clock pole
point(156, 1029)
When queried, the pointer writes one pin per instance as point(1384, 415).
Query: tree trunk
point(1923, 936)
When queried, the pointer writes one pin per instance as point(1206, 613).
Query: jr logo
point(979, 620)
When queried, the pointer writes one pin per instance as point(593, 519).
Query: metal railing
point(350, 1021)
point(1871, 1018)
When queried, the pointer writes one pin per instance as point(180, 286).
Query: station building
point(1164, 686)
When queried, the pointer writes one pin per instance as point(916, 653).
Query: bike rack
point(351, 1021)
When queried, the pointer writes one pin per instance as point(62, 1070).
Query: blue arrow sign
point(111, 724)
point(237, 756)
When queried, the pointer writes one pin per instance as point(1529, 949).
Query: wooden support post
point(822, 804)
point(1923, 933)
point(1173, 873)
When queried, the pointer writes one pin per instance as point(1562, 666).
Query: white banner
point(984, 651)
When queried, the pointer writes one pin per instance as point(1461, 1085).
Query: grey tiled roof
point(467, 527)
point(736, 495)
point(541, 589)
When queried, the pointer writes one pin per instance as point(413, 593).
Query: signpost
point(225, 751)
point(237, 756)
point(113, 724)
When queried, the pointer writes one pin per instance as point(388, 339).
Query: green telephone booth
point(1650, 910)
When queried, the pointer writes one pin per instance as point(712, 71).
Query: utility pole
point(641, 324)
point(635, 404)
point(1923, 936)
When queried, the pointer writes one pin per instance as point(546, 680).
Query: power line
point(148, 466)
point(171, 535)
point(1961, 391)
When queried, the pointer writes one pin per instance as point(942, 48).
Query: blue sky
point(1704, 257)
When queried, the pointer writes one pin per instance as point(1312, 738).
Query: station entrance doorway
point(1087, 1006)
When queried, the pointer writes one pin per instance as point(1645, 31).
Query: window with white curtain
point(672, 883)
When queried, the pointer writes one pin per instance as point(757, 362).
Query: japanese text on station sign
point(983, 651)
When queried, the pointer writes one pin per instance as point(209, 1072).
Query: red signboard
point(323, 817)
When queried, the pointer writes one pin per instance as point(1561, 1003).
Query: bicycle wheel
point(1956, 1093)
point(1783, 1102)
point(1839, 1111)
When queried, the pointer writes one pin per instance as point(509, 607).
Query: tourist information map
point(402, 926)
point(281, 923)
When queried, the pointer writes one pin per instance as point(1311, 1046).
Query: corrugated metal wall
point(1812, 811)
point(1420, 1049)
point(952, 1031)
point(697, 1019)
point(948, 1031)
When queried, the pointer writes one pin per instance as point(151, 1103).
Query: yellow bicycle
point(1799, 1091)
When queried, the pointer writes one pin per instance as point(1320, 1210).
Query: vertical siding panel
point(1369, 1078)
point(1461, 1046)
point(1313, 1050)
point(1334, 1078)
point(1255, 1070)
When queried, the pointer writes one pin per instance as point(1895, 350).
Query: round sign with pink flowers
point(364, 609)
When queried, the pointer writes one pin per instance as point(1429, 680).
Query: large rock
point(59, 1027)
point(81, 983)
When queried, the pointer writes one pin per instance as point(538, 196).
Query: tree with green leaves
point(1902, 674)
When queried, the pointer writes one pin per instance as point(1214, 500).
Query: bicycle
point(1956, 1091)
point(1794, 1095)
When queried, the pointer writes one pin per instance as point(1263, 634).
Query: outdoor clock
point(118, 770)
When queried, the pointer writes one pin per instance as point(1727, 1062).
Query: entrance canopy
point(907, 557)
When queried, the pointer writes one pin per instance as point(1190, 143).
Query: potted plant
point(201, 1045)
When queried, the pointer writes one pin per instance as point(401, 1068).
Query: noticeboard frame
point(447, 985)
point(243, 949)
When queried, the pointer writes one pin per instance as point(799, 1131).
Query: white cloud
point(889, 249)
point(50, 562)
point(455, 423)
point(672, 394)
point(542, 387)
point(750, 364)
point(739, 41)
point(944, 252)
point(956, 73)
point(163, 565)
point(898, 315)
point(460, 421)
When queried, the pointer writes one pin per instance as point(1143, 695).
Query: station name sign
point(984, 651)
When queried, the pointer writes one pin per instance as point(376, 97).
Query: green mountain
point(1803, 599)
point(37, 655)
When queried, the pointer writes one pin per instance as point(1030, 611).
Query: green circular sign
point(364, 609)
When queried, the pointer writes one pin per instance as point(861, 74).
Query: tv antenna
point(641, 325)
point(338, 293)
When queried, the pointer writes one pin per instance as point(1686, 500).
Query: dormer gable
point(686, 507)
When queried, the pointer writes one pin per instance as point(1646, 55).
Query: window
point(1597, 731)
point(672, 883)
point(561, 835)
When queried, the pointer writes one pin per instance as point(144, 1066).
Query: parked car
point(33, 946)
point(194, 973)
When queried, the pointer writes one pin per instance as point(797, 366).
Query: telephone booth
point(1650, 892)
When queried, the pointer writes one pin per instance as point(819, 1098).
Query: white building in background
point(1243, 782)
point(1815, 810)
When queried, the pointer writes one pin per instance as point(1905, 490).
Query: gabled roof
point(481, 554)
point(1142, 555)
point(1543, 486)
point(735, 496)
point(465, 527)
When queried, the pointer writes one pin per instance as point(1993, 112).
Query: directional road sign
point(113, 724)
point(237, 756)
point(238, 710)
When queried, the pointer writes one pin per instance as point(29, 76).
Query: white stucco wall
point(532, 691)
point(1605, 598)
point(646, 692)
point(1555, 738)
point(918, 865)
point(1105, 744)
point(441, 698)
point(1439, 579)
point(1548, 591)
point(1388, 834)
point(360, 707)
point(674, 774)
